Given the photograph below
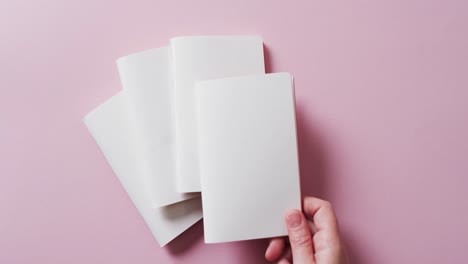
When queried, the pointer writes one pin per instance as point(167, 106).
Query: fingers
point(310, 241)
point(321, 213)
point(275, 249)
point(326, 235)
point(299, 237)
point(312, 227)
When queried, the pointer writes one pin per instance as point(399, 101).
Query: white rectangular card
point(147, 79)
point(248, 156)
point(112, 127)
point(202, 58)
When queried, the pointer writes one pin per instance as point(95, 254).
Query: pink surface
point(382, 92)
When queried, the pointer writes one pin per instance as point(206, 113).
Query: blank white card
point(202, 58)
point(147, 80)
point(112, 127)
point(248, 156)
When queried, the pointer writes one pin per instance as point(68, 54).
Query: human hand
point(313, 237)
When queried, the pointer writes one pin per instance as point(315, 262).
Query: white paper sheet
point(248, 156)
point(202, 58)
point(111, 127)
point(147, 79)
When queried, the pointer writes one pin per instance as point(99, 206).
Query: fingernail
point(294, 220)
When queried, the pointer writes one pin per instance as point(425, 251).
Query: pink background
point(382, 94)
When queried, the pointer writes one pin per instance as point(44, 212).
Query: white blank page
point(202, 58)
point(112, 129)
point(147, 79)
point(248, 156)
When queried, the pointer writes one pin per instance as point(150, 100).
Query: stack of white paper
point(202, 115)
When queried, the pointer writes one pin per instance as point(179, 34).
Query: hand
point(313, 238)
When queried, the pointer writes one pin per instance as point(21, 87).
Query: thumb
point(300, 238)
